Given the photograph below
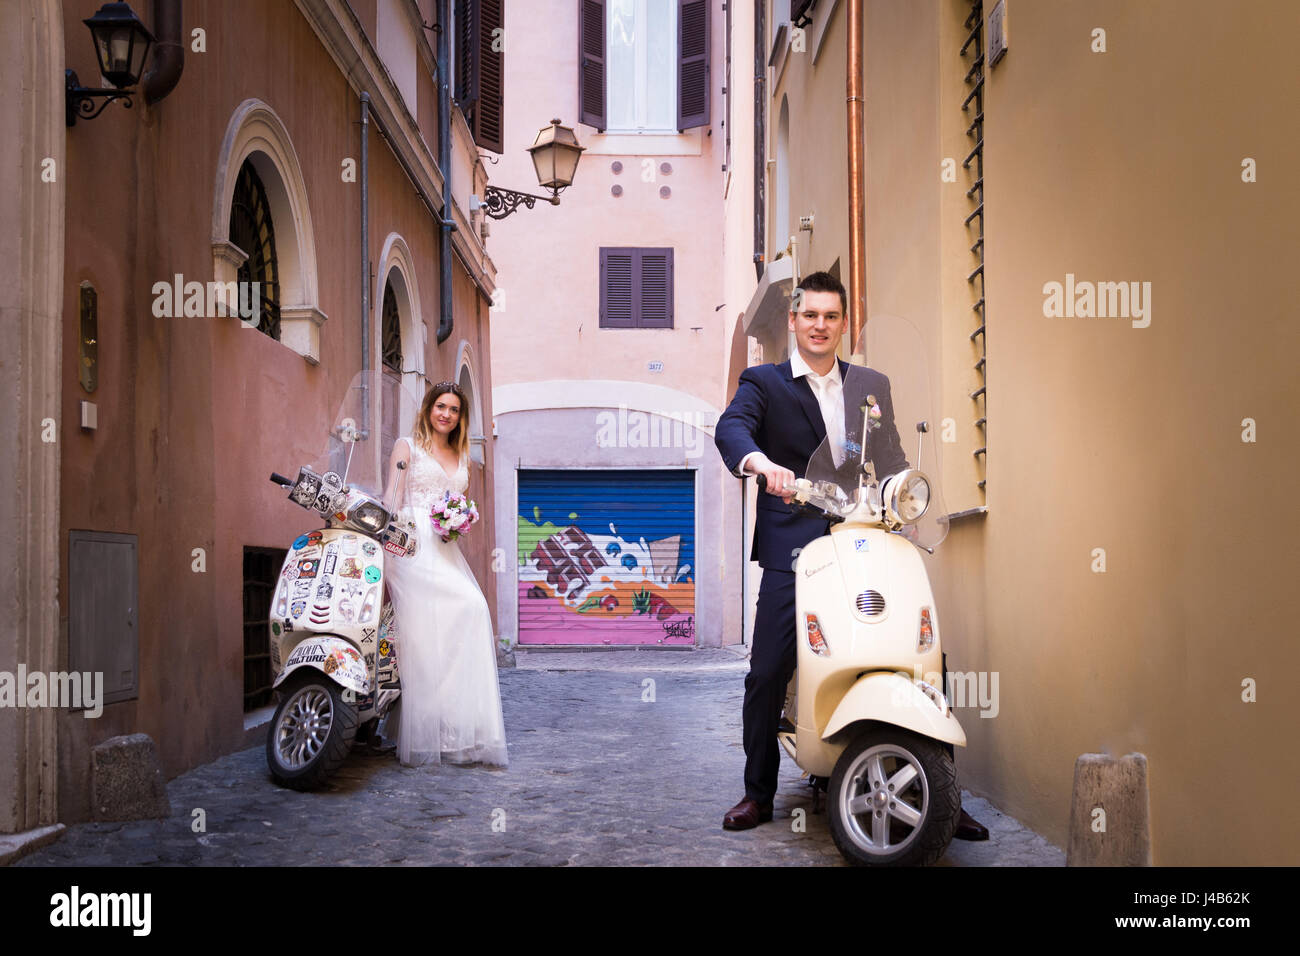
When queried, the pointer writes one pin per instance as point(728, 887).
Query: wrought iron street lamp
point(121, 45)
point(555, 154)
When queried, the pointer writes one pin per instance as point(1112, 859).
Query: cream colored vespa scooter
point(871, 714)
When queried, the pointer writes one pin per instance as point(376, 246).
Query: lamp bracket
point(499, 203)
point(81, 100)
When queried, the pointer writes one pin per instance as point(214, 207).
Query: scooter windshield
point(374, 412)
point(888, 428)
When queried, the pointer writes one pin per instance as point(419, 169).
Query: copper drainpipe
point(857, 198)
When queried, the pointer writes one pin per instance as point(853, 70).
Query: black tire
point(319, 750)
point(907, 825)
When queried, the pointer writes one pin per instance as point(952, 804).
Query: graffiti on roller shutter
point(597, 580)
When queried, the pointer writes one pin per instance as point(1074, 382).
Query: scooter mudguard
point(332, 656)
point(892, 698)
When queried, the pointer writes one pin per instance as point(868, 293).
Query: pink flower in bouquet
point(453, 516)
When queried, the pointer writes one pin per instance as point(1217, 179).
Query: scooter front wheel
point(311, 733)
point(893, 799)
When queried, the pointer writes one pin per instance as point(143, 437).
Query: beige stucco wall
point(1116, 166)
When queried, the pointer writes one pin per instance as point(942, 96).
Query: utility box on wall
point(103, 594)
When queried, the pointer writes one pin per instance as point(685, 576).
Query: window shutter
point(463, 91)
point(692, 63)
point(489, 110)
point(656, 305)
point(619, 288)
point(591, 63)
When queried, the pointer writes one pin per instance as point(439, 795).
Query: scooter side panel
point(893, 699)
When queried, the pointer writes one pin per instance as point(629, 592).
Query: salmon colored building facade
point(285, 118)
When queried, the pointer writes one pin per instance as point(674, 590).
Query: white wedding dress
point(450, 708)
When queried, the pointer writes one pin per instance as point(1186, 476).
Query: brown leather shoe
point(746, 815)
point(969, 829)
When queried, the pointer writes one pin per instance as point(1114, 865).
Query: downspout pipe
point(857, 191)
point(168, 51)
point(444, 163)
point(365, 250)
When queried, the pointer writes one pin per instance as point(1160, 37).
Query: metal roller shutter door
point(606, 557)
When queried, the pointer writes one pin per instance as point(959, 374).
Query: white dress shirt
point(828, 389)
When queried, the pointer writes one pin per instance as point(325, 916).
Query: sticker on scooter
point(297, 607)
point(308, 568)
point(349, 544)
point(324, 591)
point(368, 548)
point(861, 544)
point(300, 542)
point(372, 574)
point(330, 558)
point(351, 568)
point(347, 611)
point(367, 635)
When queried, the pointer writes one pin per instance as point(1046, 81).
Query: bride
point(450, 708)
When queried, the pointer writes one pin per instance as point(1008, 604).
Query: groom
point(779, 416)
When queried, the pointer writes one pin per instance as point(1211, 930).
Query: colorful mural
point(606, 558)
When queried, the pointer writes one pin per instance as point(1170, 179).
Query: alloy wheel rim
point(304, 726)
point(885, 788)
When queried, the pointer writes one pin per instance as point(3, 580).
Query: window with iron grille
point(972, 52)
point(392, 330)
point(261, 573)
point(636, 288)
point(252, 230)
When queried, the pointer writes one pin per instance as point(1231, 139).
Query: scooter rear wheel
point(311, 733)
point(893, 799)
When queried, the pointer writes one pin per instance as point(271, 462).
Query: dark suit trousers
point(771, 664)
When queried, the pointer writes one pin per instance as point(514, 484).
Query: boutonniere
point(873, 412)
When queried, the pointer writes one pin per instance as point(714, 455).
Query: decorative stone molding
point(300, 330)
point(256, 132)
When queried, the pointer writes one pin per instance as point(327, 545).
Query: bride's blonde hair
point(459, 437)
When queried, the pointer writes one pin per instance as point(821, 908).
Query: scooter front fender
point(336, 658)
point(892, 698)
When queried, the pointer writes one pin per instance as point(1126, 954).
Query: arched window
point(252, 230)
point(262, 230)
point(392, 332)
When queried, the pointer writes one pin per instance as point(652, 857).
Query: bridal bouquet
point(453, 516)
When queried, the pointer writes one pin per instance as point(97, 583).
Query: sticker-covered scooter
point(333, 642)
point(871, 722)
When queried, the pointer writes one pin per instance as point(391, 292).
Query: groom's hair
point(819, 282)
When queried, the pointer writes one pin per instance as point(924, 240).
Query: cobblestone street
point(597, 776)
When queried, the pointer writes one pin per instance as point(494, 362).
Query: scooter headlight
point(907, 496)
point(369, 517)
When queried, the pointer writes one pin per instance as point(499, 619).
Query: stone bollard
point(1109, 812)
point(126, 781)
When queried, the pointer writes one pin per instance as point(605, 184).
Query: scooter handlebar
point(279, 479)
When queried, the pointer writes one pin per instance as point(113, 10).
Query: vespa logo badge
point(861, 544)
point(809, 572)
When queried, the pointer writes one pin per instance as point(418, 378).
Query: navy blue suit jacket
point(777, 414)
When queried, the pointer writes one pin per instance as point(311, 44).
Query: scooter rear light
point(816, 640)
point(925, 639)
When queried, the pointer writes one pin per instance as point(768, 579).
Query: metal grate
point(261, 572)
point(252, 230)
point(972, 51)
point(871, 603)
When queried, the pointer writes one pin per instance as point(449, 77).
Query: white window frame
point(640, 93)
